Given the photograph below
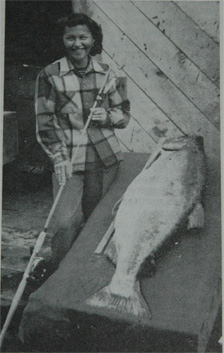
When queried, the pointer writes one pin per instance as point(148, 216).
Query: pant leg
point(68, 215)
point(96, 184)
point(93, 189)
point(109, 176)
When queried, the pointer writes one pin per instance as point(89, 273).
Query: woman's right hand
point(63, 171)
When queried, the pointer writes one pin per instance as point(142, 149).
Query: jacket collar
point(66, 66)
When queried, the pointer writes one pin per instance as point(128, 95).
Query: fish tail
point(130, 306)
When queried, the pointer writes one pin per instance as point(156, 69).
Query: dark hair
point(76, 19)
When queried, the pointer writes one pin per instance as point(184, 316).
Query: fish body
point(159, 199)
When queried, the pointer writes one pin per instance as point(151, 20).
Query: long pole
point(42, 235)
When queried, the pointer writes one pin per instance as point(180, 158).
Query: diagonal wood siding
point(172, 65)
point(206, 16)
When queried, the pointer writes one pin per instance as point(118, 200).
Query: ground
point(26, 201)
point(27, 198)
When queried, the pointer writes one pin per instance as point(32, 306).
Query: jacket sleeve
point(49, 133)
point(119, 105)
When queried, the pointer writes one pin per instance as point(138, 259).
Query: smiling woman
point(66, 92)
point(78, 42)
point(81, 36)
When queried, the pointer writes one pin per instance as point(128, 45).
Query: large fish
point(159, 199)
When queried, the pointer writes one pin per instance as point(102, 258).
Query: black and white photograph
point(111, 227)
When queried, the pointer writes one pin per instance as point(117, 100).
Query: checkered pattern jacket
point(62, 103)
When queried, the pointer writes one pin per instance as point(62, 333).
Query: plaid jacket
point(62, 104)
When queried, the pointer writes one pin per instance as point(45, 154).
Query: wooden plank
point(205, 14)
point(178, 294)
point(158, 87)
point(148, 115)
point(153, 120)
point(176, 25)
point(166, 56)
point(135, 138)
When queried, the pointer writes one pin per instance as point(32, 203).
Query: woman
point(66, 91)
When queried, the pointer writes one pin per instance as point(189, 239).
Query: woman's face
point(78, 42)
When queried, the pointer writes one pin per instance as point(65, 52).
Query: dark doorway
point(31, 42)
point(31, 31)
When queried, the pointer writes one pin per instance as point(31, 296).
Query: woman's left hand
point(99, 115)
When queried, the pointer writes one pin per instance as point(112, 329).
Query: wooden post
point(84, 6)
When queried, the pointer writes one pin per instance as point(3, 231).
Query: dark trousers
point(81, 194)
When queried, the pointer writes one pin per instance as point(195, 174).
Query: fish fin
point(111, 251)
point(129, 308)
point(196, 218)
point(116, 206)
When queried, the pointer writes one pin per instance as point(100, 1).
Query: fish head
point(194, 142)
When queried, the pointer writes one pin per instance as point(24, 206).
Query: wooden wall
point(172, 65)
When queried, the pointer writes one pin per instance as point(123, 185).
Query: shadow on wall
point(31, 35)
point(31, 42)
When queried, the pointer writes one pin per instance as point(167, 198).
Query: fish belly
point(152, 207)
